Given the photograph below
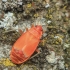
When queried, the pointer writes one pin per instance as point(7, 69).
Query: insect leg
point(38, 52)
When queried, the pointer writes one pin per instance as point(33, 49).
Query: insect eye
point(36, 26)
point(41, 29)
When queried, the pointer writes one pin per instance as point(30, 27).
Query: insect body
point(25, 46)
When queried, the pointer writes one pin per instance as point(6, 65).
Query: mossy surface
point(55, 20)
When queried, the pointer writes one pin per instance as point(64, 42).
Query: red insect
point(25, 46)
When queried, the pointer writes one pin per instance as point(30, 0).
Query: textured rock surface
point(53, 15)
